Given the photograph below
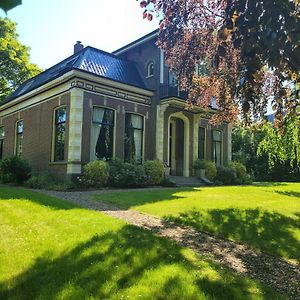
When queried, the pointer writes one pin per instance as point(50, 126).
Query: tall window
point(19, 137)
point(102, 133)
point(60, 133)
point(201, 143)
point(133, 143)
point(1, 141)
point(173, 82)
point(217, 147)
point(150, 69)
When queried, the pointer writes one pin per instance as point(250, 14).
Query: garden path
point(275, 272)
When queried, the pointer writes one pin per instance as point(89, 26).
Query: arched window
point(150, 69)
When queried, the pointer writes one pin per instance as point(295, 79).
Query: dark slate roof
point(90, 60)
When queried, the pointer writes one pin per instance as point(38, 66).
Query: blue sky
point(51, 27)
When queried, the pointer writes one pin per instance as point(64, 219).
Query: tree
point(251, 51)
point(15, 67)
point(9, 4)
point(262, 149)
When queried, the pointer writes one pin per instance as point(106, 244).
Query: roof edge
point(137, 42)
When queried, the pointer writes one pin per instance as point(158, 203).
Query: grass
point(264, 216)
point(50, 249)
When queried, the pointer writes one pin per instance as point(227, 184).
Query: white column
point(75, 132)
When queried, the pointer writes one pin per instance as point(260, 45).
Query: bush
point(96, 173)
point(154, 170)
point(208, 166)
point(47, 181)
point(226, 176)
point(14, 169)
point(241, 172)
point(125, 175)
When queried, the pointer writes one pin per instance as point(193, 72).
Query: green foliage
point(225, 176)
point(96, 173)
point(14, 169)
point(126, 175)
point(154, 170)
point(208, 166)
point(282, 144)
point(241, 172)
point(275, 151)
point(47, 181)
point(15, 67)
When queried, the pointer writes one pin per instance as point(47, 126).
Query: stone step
point(186, 181)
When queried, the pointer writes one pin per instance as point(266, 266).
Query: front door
point(176, 146)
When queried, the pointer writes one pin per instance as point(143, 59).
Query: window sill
point(149, 76)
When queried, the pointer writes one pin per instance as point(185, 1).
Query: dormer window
point(150, 69)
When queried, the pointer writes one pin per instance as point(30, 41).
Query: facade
point(99, 105)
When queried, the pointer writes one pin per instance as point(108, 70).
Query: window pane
point(137, 121)
point(98, 114)
point(60, 115)
point(133, 142)
point(20, 127)
point(217, 135)
point(102, 133)
point(201, 143)
point(1, 132)
point(60, 128)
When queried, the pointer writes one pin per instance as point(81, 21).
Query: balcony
point(166, 91)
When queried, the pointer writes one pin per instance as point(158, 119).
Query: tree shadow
point(289, 193)
point(266, 184)
point(127, 200)
point(120, 263)
point(268, 231)
point(17, 193)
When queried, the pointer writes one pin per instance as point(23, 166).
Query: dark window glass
point(19, 137)
point(201, 143)
point(102, 133)
point(60, 133)
point(150, 69)
point(217, 147)
point(133, 141)
point(1, 141)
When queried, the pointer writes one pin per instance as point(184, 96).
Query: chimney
point(78, 47)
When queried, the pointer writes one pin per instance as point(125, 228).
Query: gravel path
point(273, 271)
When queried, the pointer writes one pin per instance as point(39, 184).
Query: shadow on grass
point(126, 262)
point(268, 231)
point(127, 200)
point(269, 184)
point(17, 193)
point(289, 193)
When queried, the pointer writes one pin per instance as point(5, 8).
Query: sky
point(51, 27)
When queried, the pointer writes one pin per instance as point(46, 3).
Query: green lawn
point(53, 250)
point(265, 216)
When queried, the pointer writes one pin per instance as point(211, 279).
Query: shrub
point(241, 172)
point(125, 175)
point(96, 173)
point(47, 181)
point(14, 169)
point(154, 170)
point(226, 176)
point(208, 166)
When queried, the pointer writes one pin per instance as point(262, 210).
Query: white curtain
point(137, 121)
point(98, 113)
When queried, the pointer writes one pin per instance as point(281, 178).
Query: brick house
point(96, 105)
